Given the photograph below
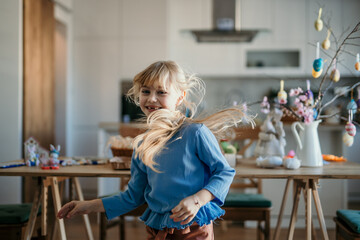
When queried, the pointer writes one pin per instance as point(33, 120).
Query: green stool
point(249, 207)
point(347, 224)
point(13, 220)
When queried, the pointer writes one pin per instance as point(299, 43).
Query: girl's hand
point(75, 208)
point(186, 210)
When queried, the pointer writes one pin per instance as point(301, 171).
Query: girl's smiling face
point(157, 97)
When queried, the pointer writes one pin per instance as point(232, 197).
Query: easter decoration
point(33, 159)
point(352, 106)
point(290, 161)
point(282, 95)
point(30, 152)
point(326, 43)
point(348, 140)
point(319, 23)
point(318, 63)
point(350, 127)
point(335, 73)
point(357, 64)
point(308, 109)
point(53, 161)
point(270, 146)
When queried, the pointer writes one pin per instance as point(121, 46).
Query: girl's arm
point(75, 208)
point(187, 209)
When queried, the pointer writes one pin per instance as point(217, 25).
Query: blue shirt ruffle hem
point(205, 215)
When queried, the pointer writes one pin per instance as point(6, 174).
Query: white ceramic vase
point(308, 144)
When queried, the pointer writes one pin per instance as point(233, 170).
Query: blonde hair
point(162, 124)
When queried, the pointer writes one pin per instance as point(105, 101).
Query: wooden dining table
point(52, 178)
point(305, 180)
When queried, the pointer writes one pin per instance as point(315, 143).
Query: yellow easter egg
point(335, 75)
point(348, 140)
point(282, 94)
point(357, 66)
point(326, 44)
point(316, 74)
point(319, 25)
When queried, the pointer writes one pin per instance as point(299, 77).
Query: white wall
point(111, 42)
point(10, 94)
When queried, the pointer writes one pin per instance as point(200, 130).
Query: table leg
point(282, 208)
point(308, 210)
point(85, 216)
point(294, 210)
point(313, 232)
point(44, 210)
point(57, 206)
point(34, 210)
point(319, 209)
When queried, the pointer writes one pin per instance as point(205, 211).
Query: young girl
point(177, 166)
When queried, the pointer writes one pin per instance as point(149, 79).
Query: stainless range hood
point(227, 24)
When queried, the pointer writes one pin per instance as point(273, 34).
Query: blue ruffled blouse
point(191, 161)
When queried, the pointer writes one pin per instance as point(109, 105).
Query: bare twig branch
point(355, 29)
point(339, 95)
point(329, 116)
point(353, 44)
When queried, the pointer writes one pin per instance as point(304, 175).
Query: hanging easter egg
point(319, 23)
point(335, 75)
point(318, 64)
point(352, 106)
point(326, 43)
point(348, 140)
point(315, 115)
point(316, 74)
point(357, 66)
point(309, 94)
point(350, 129)
point(282, 95)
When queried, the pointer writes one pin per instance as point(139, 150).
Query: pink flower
point(282, 101)
point(308, 119)
point(300, 111)
point(303, 98)
point(295, 91)
point(296, 101)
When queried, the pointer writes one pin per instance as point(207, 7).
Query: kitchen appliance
point(227, 24)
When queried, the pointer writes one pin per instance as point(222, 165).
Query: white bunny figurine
point(33, 159)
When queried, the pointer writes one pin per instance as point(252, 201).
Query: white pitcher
point(308, 145)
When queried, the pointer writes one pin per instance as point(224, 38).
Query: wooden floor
point(135, 230)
